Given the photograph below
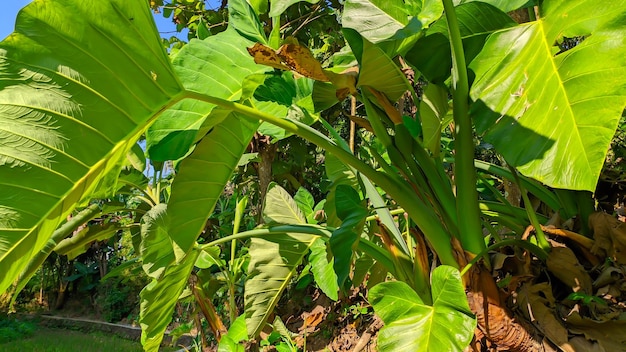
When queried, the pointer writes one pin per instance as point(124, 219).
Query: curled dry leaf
point(610, 236)
point(298, 58)
point(537, 303)
point(563, 264)
point(608, 276)
point(264, 55)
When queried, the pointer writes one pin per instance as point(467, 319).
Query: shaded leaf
point(322, 269)
point(352, 212)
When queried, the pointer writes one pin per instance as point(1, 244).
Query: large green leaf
point(158, 300)
point(236, 334)
point(220, 63)
point(503, 5)
point(410, 325)
point(352, 212)
point(376, 20)
point(431, 54)
point(157, 247)
point(73, 74)
point(381, 73)
point(274, 259)
point(279, 6)
point(322, 269)
point(552, 115)
point(243, 18)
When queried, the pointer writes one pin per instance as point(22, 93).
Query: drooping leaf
point(158, 300)
point(552, 115)
point(273, 262)
point(322, 269)
point(273, 259)
point(381, 73)
point(352, 212)
point(59, 234)
point(157, 247)
point(410, 325)
point(73, 74)
point(80, 242)
point(219, 63)
point(202, 176)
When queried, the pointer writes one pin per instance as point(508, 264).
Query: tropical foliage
point(81, 83)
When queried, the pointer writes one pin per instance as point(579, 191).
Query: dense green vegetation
point(406, 151)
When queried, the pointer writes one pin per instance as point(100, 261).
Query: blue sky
point(10, 9)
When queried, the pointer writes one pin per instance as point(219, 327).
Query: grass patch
point(12, 329)
point(58, 340)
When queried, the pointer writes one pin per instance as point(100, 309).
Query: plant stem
point(401, 192)
point(468, 213)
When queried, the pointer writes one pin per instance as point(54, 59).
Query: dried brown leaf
point(537, 303)
point(264, 55)
point(610, 236)
point(610, 335)
point(563, 264)
point(300, 59)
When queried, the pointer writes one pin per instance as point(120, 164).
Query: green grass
point(57, 340)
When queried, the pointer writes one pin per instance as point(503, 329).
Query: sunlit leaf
point(552, 115)
point(74, 74)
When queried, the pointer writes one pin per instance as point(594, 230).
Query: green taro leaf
point(410, 325)
point(202, 177)
point(502, 5)
point(431, 54)
point(79, 83)
point(322, 269)
point(218, 63)
point(352, 212)
point(236, 334)
point(81, 241)
point(306, 203)
point(375, 20)
point(280, 207)
point(381, 73)
point(243, 18)
point(157, 247)
point(280, 6)
point(552, 115)
point(158, 300)
point(273, 259)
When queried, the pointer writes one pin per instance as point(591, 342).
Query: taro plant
point(80, 83)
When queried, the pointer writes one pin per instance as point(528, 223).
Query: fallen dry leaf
point(537, 303)
point(610, 236)
point(563, 264)
point(610, 335)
